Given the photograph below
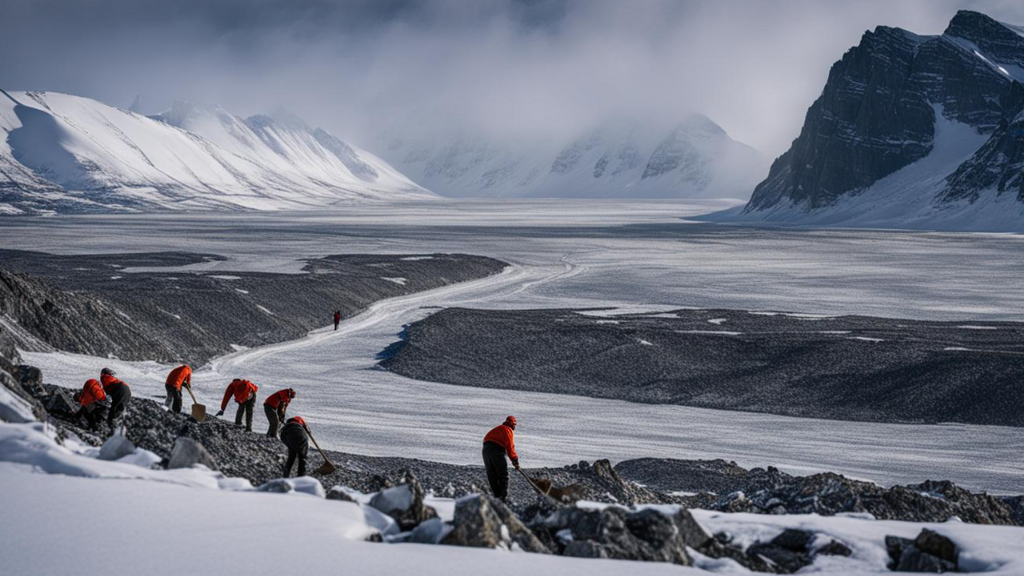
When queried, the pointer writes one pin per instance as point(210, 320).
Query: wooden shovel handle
point(189, 388)
point(326, 459)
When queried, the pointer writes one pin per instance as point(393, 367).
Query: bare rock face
point(485, 522)
point(187, 453)
point(877, 114)
point(404, 503)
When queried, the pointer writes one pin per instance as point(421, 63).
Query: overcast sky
point(512, 68)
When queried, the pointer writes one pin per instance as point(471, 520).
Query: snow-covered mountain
point(71, 154)
point(911, 132)
point(694, 158)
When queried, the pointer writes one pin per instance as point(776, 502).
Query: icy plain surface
point(626, 256)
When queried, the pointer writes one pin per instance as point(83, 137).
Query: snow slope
point(694, 158)
point(66, 153)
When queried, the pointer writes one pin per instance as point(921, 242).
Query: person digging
point(120, 395)
point(178, 377)
point(498, 443)
point(244, 392)
point(275, 407)
point(296, 439)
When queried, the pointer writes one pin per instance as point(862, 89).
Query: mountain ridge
point(879, 120)
point(66, 154)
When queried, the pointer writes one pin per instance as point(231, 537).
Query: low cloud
point(523, 70)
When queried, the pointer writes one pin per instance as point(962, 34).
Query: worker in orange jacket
point(180, 376)
point(245, 395)
point(120, 395)
point(275, 407)
point(498, 443)
point(93, 400)
point(295, 436)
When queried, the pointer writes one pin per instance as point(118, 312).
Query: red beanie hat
point(510, 421)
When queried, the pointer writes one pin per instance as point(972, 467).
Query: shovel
point(198, 410)
point(326, 468)
point(530, 480)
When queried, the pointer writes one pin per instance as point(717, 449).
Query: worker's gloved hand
point(220, 413)
point(516, 464)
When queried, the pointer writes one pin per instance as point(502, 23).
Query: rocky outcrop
point(89, 305)
point(774, 492)
point(19, 381)
point(877, 114)
point(843, 368)
point(483, 521)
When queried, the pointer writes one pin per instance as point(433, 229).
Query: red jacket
point(109, 382)
point(298, 420)
point(180, 375)
point(504, 436)
point(280, 399)
point(91, 392)
point(337, 317)
point(241, 389)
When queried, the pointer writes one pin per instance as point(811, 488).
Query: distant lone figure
point(180, 376)
point(295, 437)
point(497, 443)
point(92, 398)
point(275, 407)
point(120, 395)
point(245, 395)
point(337, 318)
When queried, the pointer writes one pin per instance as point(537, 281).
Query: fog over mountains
point(691, 158)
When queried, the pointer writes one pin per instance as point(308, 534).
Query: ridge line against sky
point(514, 70)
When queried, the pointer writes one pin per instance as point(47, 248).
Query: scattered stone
point(936, 544)
point(186, 453)
point(116, 447)
point(834, 548)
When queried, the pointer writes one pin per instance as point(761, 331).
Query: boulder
point(936, 544)
point(432, 531)
point(404, 503)
point(116, 447)
point(929, 552)
point(339, 493)
point(186, 453)
point(483, 521)
point(278, 486)
point(60, 404)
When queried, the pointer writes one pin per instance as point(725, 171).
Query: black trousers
point(295, 438)
point(246, 407)
point(93, 414)
point(120, 396)
point(273, 418)
point(173, 398)
point(497, 469)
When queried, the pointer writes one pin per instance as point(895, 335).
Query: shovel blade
point(199, 412)
point(325, 469)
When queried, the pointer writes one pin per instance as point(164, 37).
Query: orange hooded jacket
point(241, 389)
point(280, 398)
point(180, 375)
point(91, 392)
point(503, 436)
point(109, 381)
